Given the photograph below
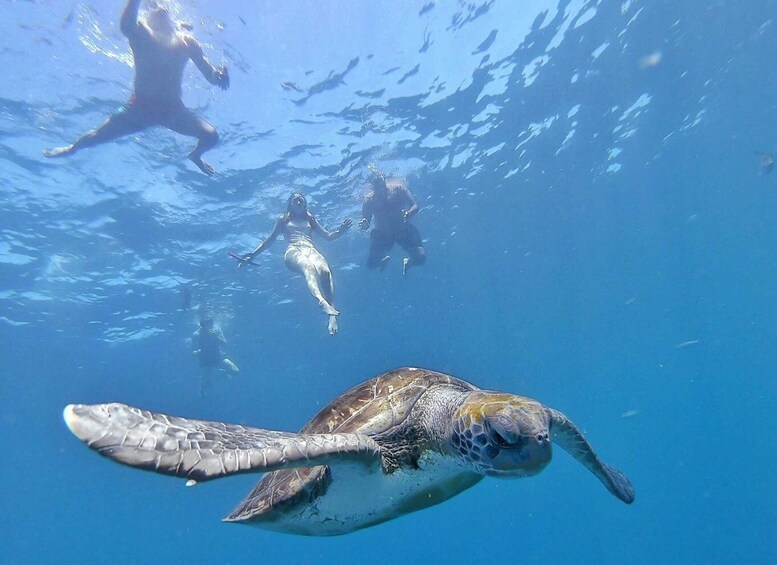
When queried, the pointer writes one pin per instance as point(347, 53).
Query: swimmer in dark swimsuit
point(208, 340)
point(297, 226)
point(160, 53)
point(392, 205)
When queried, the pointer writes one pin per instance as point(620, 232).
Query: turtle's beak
point(529, 459)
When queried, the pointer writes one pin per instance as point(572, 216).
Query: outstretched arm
point(330, 235)
point(214, 75)
point(266, 243)
point(412, 208)
point(129, 18)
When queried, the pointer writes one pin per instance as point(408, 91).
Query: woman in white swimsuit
point(297, 226)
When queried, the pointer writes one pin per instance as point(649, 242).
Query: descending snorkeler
point(160, 53)
point(391, 203)
point(207, 340)
point(297, 225)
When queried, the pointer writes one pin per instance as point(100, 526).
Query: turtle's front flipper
point(202, 450)
point(568, 437)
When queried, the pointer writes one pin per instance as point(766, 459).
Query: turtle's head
point(502, 435)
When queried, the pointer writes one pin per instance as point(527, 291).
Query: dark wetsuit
point(391, 226)
point(382, 240)
point(209, 343)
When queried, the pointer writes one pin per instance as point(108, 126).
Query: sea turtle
point(402, 441)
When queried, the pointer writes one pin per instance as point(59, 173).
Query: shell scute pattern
point(372, 408)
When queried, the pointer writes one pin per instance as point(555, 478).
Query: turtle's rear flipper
point(566, 434)
point(201, 450)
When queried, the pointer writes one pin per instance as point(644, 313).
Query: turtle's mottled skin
point(405, 440)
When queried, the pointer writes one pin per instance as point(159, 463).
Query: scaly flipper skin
point(200, 450)
point(565, 434)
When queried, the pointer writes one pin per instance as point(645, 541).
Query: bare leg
point(380, 244)
point(306, 260)
point(188, 123)
point(384, 262)
point(373, 261)
point(118, 125)
point(196, 155)
point(410, 241)
point(328, 288)
point(230, 365)
point(314, 285)
point(416, 259)
point(327, 283)
point(60, 151)
point(205, 381)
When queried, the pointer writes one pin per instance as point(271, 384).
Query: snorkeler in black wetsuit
point(207, 340)
point(160, 53)
point(392, 205)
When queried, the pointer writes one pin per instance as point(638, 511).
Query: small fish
point(652, 60)
point(288, 85)
point(630, 413)
point(426, 8)
point(685, 344)
point(242, 20)
point(765, 162)
point(68, 19)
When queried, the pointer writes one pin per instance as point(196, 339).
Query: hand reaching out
point(243, 261)
point(221, 77)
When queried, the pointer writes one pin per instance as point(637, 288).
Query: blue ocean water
point(599, 236)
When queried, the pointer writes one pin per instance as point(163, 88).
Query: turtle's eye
point(498, 439)
point(504, 439)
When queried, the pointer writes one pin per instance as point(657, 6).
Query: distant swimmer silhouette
point(207, 340)
point(391, 203)
point(297, 226)
point(160, 52)
point(765, 162)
